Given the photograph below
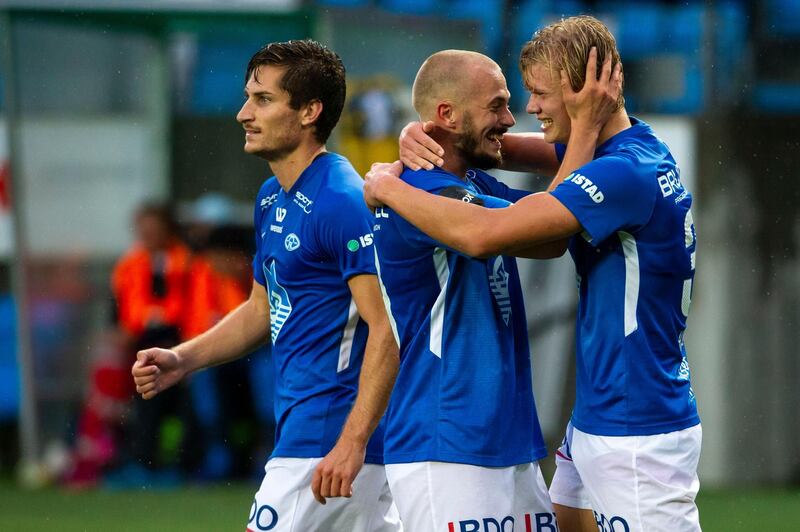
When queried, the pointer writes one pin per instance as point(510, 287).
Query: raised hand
point(378, 179)
point(417, 148)
point(155, 370)
point(594, 104)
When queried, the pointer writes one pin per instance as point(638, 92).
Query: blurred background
point(125, 219)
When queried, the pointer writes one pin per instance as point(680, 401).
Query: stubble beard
point(468, 144)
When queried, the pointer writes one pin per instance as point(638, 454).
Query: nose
point(244, 114)
point(507, 119)
point(533, 106)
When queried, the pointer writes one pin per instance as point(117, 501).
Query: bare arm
point(335, 473)
point(528, 152)
point(237, 334)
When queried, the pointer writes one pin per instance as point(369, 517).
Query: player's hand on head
point(418, 149)
point(334, 475)
point(594, 104)
point(155, 370)
point(377, 179)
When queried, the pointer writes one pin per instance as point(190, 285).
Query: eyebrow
point(257, 93)
point(498, 100)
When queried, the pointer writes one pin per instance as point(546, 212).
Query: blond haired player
point(633, 443)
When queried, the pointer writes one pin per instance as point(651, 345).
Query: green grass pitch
point(223, 508)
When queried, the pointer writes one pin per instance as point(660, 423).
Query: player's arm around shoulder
point(236, 335)
point(336, 472)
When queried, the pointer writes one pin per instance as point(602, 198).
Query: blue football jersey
point(635, 264)
point(463, 392)
point(310, 241)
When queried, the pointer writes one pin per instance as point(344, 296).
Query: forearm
point(378, 372)
point(454, 223)
point(528, 152)
point(239, 333)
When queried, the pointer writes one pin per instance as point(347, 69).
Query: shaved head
point(449, 75)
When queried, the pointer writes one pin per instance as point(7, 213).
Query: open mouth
point(496, 138)
point(546, 123)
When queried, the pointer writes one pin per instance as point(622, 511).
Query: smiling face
point(272, 128)
point(546, 103)
point(485, 118)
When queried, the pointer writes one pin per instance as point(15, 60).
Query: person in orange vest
point(150, 285)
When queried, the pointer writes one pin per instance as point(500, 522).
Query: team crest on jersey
point(292, 242)
point(498, 281)
point(280, 307)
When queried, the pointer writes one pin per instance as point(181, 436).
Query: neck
point(453, 162)
point(287, 169)
point(619, 121)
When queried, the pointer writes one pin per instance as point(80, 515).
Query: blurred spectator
point(208, 212)
point(150, 284)
point(100, 423)
point(223, 397)
point(370, 121)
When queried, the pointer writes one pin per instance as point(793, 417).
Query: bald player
point(462, 436)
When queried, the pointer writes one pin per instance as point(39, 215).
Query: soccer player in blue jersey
point(633, 443)
point(462, 434)
point(315, 293)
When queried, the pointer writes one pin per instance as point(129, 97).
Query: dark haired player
point(316, 292)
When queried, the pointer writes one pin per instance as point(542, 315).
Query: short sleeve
point(344, 232)
point(262, 204)
point(448, 186)
point(493, 187)
point(607, 195)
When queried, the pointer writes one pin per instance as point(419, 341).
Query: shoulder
point(131, 258)
point(339, 177)
point(430, 180)
point(268, 193)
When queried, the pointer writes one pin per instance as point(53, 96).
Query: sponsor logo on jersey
point(539, 522)
point(303, 202)
point(613, 523)
point(263, 517)
point(683, 370)
point(461, 193)
point(280, 214)
point(276, 228)
point(292, 242)
point(587, 185)
point(670, 183)
point(280, 307)
point(498, 281)
point(380, 212)
point(268, 200)
point(363, 241)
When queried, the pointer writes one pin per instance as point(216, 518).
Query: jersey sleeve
point(493, 187)
point(450, 187)
point(607, 195)
point(345, 235)
point(258, 213)
point(561, 150)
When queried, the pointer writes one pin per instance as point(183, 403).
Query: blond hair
point(565, 45)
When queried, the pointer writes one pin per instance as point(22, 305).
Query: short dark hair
point(313, 72)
